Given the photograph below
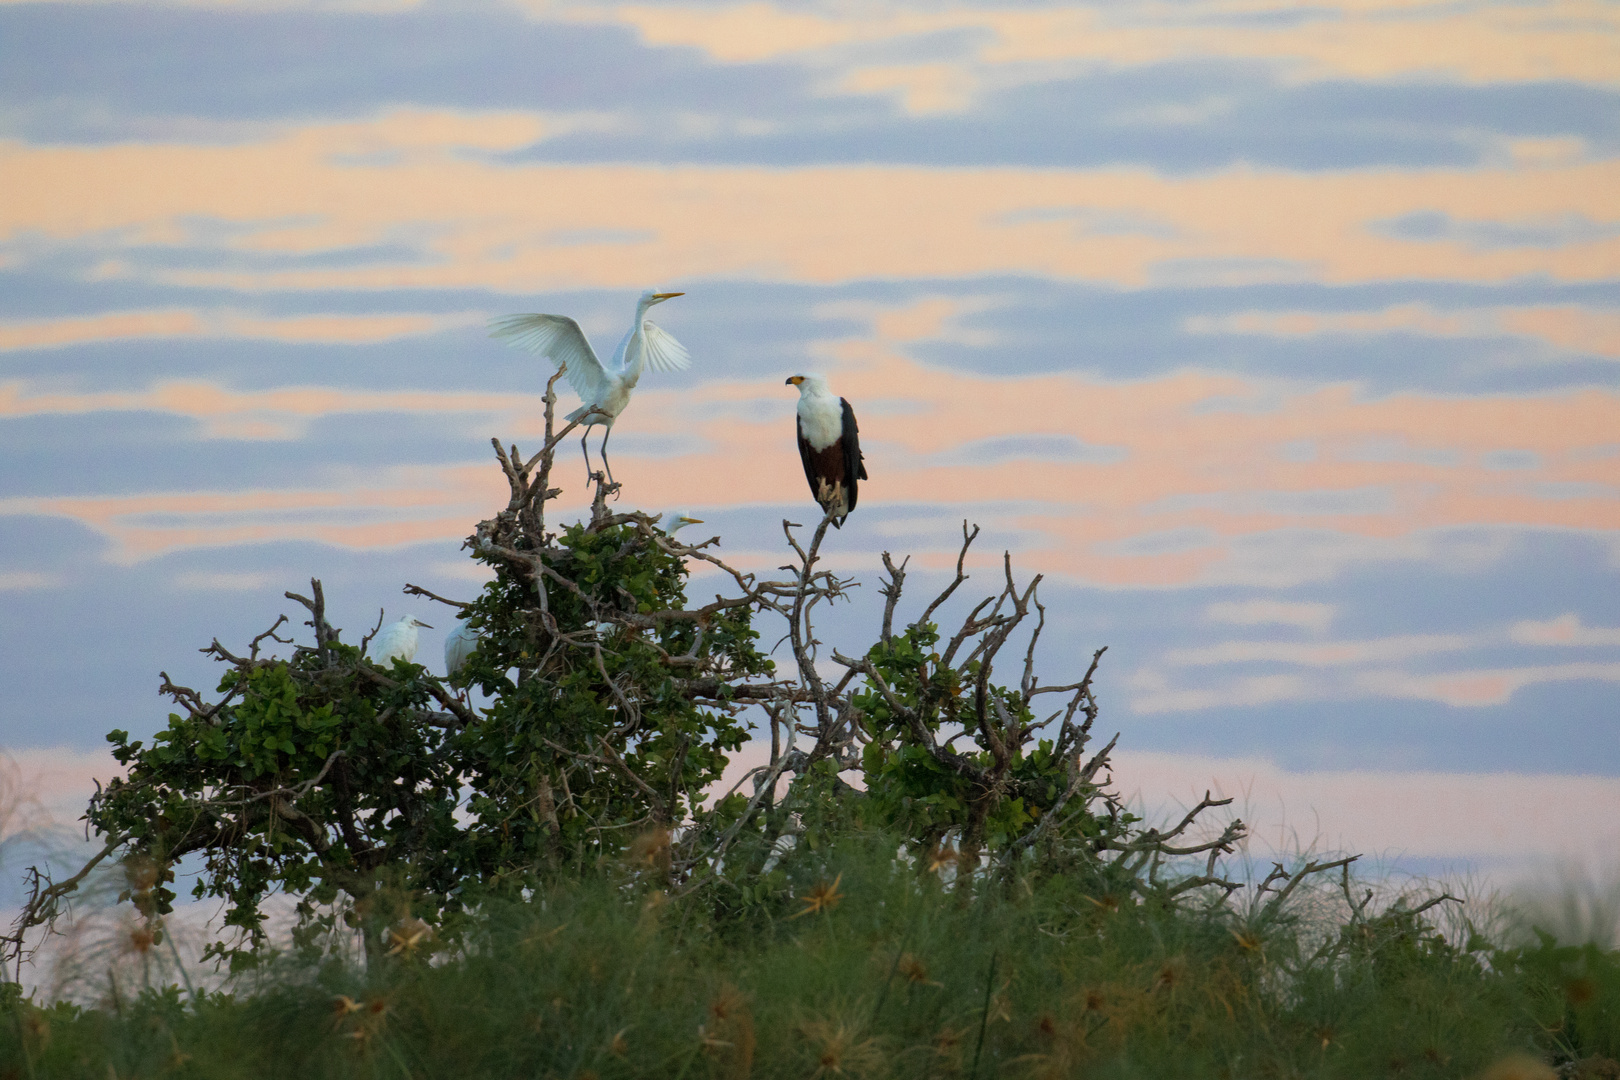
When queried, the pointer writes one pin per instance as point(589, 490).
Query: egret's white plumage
point(397, 639)
point(673, 520)
point(604, 387)
point(459, 643)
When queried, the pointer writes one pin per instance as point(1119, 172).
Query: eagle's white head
point(810, 385)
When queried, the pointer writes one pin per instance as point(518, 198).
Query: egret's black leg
point(605, 464)
point(586, 450)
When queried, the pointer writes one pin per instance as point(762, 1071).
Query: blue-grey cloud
point(90, 71)
point(1233, 113)
point(133, 453)
point(108, 72)
point(742, 330)
point(1495, 235)
point(1042, 327)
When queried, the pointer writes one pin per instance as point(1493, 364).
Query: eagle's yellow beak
point(666, 295)
point(794, 380)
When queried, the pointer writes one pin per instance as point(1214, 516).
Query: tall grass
point(1571, 903)
point(869, 968)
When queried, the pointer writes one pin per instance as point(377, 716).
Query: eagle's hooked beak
point(794, 380)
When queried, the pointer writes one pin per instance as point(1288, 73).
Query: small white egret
point(829, 446)
point(671, 521)
point(397, 639)
point(559, 338)
point(459, 643)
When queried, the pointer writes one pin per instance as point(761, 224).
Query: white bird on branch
point(397, 639)
point(829, 446)
point(600, 387)
point(671, 521)
point(460, 643)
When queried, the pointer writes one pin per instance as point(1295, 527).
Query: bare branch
point(1291, 881)
point(967, 542)
point(366, 641)
point(317, 621)
point(891, 593)
point(44, 904)
point(253, 647)
point(417, 590)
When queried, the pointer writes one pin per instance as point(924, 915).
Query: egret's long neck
point(631, 358)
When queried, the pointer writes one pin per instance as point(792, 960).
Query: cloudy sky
point(1283, 338)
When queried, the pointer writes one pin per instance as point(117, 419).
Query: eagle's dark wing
point(854, 462)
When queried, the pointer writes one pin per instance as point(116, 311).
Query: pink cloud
point(1485, 687)
point(1566, 629)
point(1566, 327)
point(265, 414)
point(48, 333)
point(351, 329)
point(1417, 813)
point(1359, 40)
point(1190, 484)
point(477, 222)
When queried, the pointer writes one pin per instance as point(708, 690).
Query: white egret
point(459, 643)
point(829, 446)
point(559, 338)
point(671, 521)
point(397, 639)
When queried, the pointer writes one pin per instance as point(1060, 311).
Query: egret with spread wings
point(605, 389)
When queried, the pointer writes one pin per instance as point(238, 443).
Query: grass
point(868, 970)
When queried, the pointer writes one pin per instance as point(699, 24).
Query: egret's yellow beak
point(794, 380)
point(694, 521)
point(666, 295)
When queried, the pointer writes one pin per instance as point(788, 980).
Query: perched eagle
point(830, 445)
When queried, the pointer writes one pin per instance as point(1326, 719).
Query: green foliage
point(222, 783)
point(536, 802)
point(912, 790)
point(328, 778)
point(1574, 991)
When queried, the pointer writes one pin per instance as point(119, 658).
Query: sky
point(1283, 339)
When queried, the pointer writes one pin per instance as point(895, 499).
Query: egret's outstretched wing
point(558, 338)
point(663, 352)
